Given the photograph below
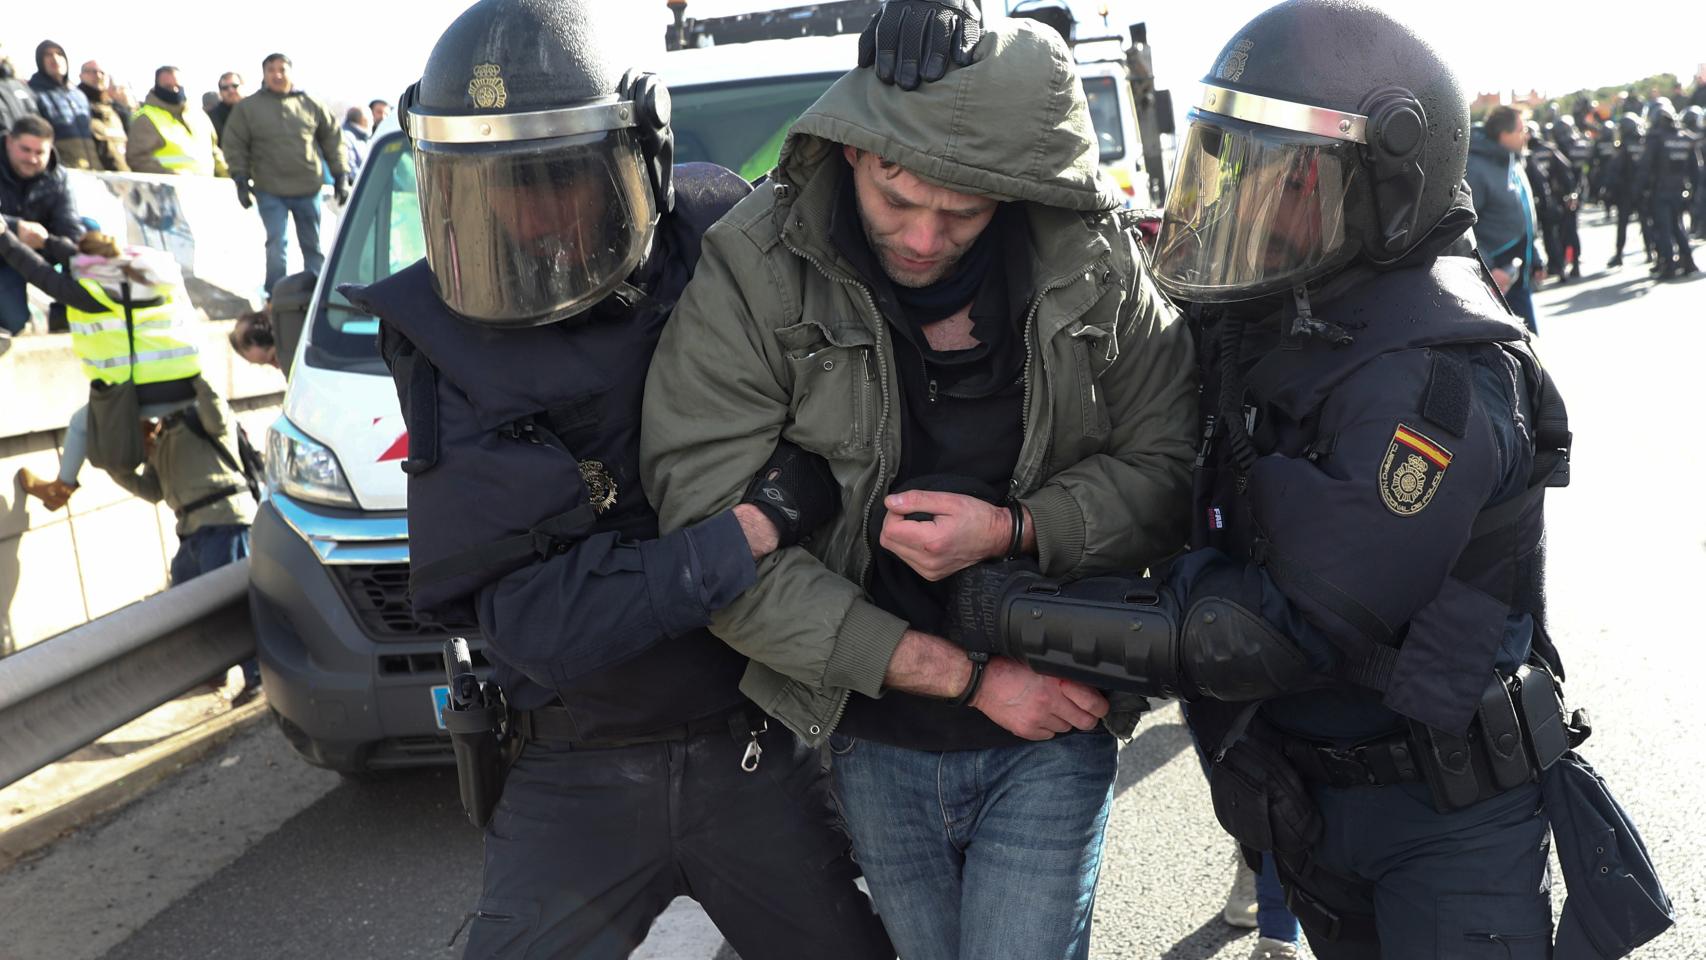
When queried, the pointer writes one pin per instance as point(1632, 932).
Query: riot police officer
point(558, 236)
point(1669, 171)
point(1553, 181)
point(1623, 185)
point(1575, 152)
point(1360, 625)
point(1694, 121)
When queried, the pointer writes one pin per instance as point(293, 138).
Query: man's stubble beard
point(899, 275)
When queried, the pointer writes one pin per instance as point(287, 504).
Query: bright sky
point(352, 51)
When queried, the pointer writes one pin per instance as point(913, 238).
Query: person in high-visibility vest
point(168, 135)
point(153, 349)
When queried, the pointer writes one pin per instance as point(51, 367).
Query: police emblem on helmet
point(487, 87)
point(1233, 66)
point(600, 485)
point(1412, 470)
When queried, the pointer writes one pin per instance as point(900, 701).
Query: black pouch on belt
point(1258, 797)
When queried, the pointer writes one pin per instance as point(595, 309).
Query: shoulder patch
point(1412, 470)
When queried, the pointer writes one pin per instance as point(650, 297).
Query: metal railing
point(67, 692)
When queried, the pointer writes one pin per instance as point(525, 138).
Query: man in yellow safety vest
point(168, 137)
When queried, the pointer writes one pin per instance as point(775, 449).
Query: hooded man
point(65, 107)
point(16, 99)
point(169, 137)
point(936, 294)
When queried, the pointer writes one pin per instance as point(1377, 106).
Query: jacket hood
point(1011, 126)
point(41, 54)
point(1482, 144)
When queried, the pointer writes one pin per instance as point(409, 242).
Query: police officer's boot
point(52, 493)
point(1614, 262)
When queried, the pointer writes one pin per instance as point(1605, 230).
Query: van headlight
point(304, 468)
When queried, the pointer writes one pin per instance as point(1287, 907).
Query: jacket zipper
point(1033, 358)
point(876, 434)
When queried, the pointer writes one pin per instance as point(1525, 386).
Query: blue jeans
point(980, 853)
point(306, 211)
point(209, 549)
point(14, 304)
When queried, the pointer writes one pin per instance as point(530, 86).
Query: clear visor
point(1253, 209)
point(537, 231)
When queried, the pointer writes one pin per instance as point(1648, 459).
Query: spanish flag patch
point(1412, 470)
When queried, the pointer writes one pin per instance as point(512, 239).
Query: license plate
point(440, 702)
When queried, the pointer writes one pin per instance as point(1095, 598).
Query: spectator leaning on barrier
point(64, 106)
point(107, 123)
point(230, 94)
point(170, 137)
point(16, 98)
point(275, 139)
point(356, 134)
point(37, 205)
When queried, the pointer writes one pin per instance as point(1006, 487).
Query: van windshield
point(381, 234)
point(1104, 101)
point(741, 124)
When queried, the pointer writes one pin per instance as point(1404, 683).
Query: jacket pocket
point(833, 406)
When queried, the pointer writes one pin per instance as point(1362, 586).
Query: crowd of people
point(1642, 160)
point(280, 146)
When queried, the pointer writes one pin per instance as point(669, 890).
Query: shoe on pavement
point(1268, 948)
point(1614, 262)
point(1240, 909)
point(52, 493)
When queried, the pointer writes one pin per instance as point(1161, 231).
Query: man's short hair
point(233, 74)
point(271, 57)
point(378, 103)
point(1503, 120)
point(30, 125)
point(159, 70)
point(354, 114)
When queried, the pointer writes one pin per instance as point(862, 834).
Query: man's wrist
point(762, 537)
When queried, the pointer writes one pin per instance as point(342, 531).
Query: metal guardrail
point(68, 691)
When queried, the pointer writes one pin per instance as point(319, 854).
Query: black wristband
point(979, 660)
point(1017, 544)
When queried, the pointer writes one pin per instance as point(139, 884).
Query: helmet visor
point(537, 230)
point(1253, 209)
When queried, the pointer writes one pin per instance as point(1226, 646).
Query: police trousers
point(588, 846)
point(1465, 885)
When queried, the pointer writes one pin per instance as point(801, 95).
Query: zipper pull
point(1204, 448)
point(932, 391)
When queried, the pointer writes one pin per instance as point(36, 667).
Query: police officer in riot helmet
point(1359, 626)
point(1694, 121)
point(1670, 171)
point(629, 767)
point(1623, 185)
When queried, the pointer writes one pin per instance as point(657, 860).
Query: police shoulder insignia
point(487, 87)
point(600, 485)
point(1412, 471)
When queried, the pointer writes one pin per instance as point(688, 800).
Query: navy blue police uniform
point(643, 774)
point(1669, 172)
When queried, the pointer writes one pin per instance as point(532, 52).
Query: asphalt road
point(252, 854)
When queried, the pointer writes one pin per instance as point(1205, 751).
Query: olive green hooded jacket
point(776, 337)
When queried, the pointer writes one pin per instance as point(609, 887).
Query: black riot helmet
point(1328, 132)
point(542, 165)
point(1694, 118)
point(1662, 114)
point(1629, 128)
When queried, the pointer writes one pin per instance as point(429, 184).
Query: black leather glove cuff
point(977, 601)
point(797, 491)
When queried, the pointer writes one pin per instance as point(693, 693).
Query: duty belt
point(554, 724)
point(1519, 730)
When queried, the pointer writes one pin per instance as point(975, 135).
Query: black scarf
point(173, 97)
point(945, 297)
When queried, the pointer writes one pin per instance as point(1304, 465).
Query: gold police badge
point(487, 87)
point(1411, 473)
point(600, 485)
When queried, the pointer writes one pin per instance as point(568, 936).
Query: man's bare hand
point(962, 531)
point(1504, 278)
point(761, 535)
point(32, 233)
point(1030, 705)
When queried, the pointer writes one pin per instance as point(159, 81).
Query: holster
point(1259, 799)
point(479, 735)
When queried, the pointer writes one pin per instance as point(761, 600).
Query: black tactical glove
point(340, 190)
point(243, 196)
point(977, 597)
point(797, 491)
point(913, 40)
